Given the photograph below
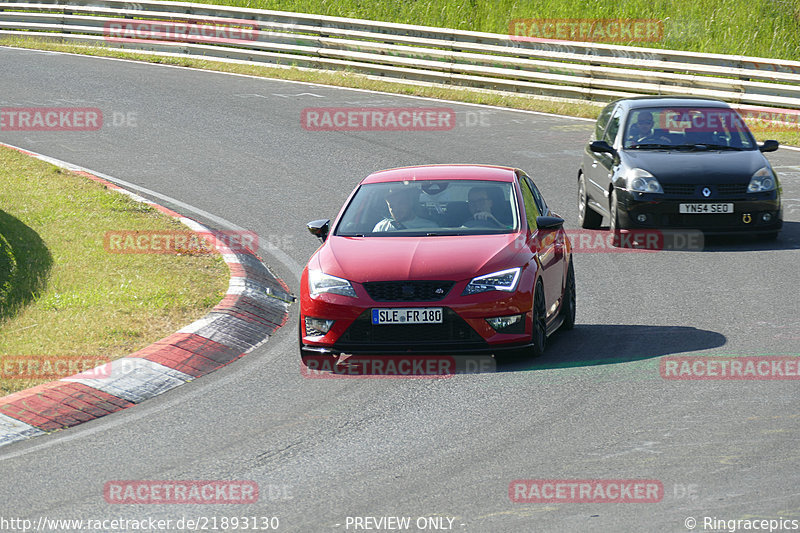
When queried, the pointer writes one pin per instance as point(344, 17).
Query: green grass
point(763, 28)
point(62, 295)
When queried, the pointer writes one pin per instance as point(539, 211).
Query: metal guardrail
point(416, 54)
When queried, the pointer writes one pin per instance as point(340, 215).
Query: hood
point(456, 258)
point(686, 167)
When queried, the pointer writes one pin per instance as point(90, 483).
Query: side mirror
point(769, 146)
point(549, 223)
point(600, 147)
point(319, 228)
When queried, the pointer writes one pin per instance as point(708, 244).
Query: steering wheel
point(647, 139)
point(653, 138)
point(483, 223)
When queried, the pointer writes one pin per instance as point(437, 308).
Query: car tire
point(613, 225)
point(568, 307)
point(538, 335)
point(588, 218)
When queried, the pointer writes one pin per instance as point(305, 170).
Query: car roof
point(638, 102)
point(443, 172)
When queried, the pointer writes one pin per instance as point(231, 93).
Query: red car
point(455, 259)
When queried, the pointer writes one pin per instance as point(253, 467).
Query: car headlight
point(320, 282)
point(640, 180)
point(504, 280)
point(762, 180)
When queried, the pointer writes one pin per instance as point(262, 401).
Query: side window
point(531, 211)
point(613, 127)
point(602, 122)
point(537, 196)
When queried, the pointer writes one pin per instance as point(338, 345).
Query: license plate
point(692, 209)
point(412, 315)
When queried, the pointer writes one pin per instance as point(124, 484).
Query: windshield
point(687, 128)
point(430, 208)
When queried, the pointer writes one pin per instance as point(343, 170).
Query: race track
point(594, 407)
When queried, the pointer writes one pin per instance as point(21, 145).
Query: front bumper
point(662, 212)
point(464, 329)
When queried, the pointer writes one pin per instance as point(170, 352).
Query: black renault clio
point(675, 163)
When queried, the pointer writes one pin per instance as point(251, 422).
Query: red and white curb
point(254, 307)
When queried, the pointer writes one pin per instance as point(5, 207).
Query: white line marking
point(323, 86)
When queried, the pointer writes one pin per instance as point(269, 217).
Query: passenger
point(402, 209)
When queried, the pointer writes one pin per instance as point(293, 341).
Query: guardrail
point(413, 54)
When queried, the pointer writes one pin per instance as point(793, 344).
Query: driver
point(480, 206)
point(643, 129)
point(402, 203)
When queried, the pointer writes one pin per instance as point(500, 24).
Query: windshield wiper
point(647, 146)
point(708, 146)
point(720, 147)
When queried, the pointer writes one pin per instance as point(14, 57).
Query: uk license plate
point(412, 315)
point(704, 208)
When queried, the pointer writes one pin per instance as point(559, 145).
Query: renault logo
point(706, 192)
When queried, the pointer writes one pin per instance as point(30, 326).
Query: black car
point(678, 163)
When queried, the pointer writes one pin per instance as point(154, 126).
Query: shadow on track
point(590, 344)
point(788, 239)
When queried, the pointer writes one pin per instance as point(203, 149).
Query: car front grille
point(408, 291)
point(679, 188)
point(362, 333)
point(719, 190)
point(732, 188)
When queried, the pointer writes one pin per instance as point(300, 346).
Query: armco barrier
point(416, 54)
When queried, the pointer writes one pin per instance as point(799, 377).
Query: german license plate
point(412, 315)
point(700, 209)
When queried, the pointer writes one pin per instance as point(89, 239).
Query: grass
point(62, 296)
point(763, 28)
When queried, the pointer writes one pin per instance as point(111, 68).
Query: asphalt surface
point(594, 407)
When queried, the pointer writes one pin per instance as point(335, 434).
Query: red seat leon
point(439, 259)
